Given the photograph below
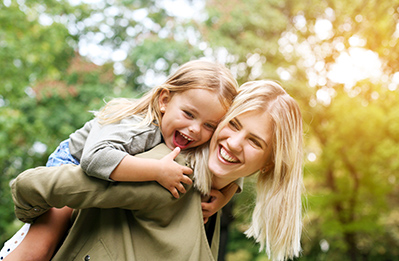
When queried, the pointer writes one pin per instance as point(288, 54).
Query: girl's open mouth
point(182, 141)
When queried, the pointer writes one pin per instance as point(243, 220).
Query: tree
point(29, 52)
point(48, 88)
point(351, 122)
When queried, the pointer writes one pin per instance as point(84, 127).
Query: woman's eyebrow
point(238, 122)
point(262, 140)
point(252, 134)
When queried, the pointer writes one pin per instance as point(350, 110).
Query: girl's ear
point(164, 98)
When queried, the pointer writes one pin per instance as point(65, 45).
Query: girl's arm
point(165, 171)
point(107, 145)
point(108, 149)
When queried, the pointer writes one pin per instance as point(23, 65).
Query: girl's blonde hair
point(197, 74)
point(277, 217)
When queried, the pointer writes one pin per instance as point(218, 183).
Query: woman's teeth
point(227, 156)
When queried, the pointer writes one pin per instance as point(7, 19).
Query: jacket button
point(87, 258)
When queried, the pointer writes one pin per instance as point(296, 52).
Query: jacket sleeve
point(37, 190)
point(106, 145)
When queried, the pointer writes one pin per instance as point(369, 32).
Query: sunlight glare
point(357, 41)
point(323, 96)
point(45, 20)
point(324, 245)
point(312, 157)
point(323, 29)
point(354, 65)
point(184, 9)
point(395, 82)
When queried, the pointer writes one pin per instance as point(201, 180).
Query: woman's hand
point(217, 199)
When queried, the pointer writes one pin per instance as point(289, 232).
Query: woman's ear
point(267, 167)
point(164, 98)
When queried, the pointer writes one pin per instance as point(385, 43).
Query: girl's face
point(190, 117)
point(242, 147)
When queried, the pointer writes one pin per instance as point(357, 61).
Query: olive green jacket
point(117, 221)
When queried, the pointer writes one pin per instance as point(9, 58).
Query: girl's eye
point(210, 127)
point(189, 114)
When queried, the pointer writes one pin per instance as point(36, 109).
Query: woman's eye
point(233, 125)
point(256, 143)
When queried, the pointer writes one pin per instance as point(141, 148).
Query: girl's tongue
point(180, 140)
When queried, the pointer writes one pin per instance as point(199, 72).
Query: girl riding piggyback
point(183, 112)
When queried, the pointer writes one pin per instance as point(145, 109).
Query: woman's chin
point(218, 173)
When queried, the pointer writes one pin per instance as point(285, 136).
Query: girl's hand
point(173, 174)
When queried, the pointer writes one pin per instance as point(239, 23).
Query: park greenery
point(60, 60)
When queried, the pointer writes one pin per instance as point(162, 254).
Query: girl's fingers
point(181, 188)
point(187, 171)
point(186, 180)
point(174, 153)
point(174, 192)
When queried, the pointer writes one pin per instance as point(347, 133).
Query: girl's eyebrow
point(194, 110)
point(191, 108)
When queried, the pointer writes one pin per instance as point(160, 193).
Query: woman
point(262, 133)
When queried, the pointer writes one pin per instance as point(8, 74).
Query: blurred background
point(339, 59)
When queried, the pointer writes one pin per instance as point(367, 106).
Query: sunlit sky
point(352, 65)
point(99, 54)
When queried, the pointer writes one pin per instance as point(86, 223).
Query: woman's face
point(242, 147)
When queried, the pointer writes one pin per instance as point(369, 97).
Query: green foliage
point(352, 183)
point(33, 128)
point(47, 91)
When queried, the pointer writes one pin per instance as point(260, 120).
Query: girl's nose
point(194, 128)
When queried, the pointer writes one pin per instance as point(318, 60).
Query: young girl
point(183, 112)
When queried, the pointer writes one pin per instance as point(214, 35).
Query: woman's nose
point(235, 142)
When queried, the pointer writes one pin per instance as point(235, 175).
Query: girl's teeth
point(187, 138)
point(226, 156)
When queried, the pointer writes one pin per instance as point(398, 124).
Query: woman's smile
point(225, 155)
point(241, 147)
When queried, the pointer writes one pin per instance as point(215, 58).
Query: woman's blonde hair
point(277, 217)
point(197, 74)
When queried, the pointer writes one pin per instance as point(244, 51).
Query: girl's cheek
point(225, 133)
point(209, 135)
